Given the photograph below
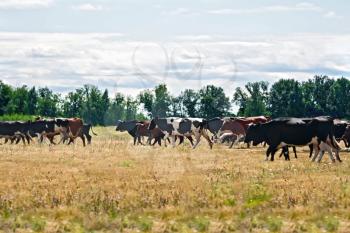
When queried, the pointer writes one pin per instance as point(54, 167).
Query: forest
point(320, 95)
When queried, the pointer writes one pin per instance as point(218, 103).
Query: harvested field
point(113, 186)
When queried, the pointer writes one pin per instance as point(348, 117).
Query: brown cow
point(71, 128)
point(75, 130)
point(238, 126)
point(234, 127)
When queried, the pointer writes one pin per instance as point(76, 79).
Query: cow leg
point(295, 152)
point(337, 156)
point(70, 141)
point(311, 150)
point(51, 138)
point(23, 139)
point(27, 138)
point(285, 152)
point(206, 136)
point(173, 141)
point(317, 151)
point(182, 139)
point(324, 147)
point(166, 139)
point(335, 147)
point(232, 143)
point(273, 152)
point(158, 140)
point(190, 139)
point(83, 139)
point(17, 139)
point(282, 152)
point(268, 151)
point(64, 136)
point(198, 138)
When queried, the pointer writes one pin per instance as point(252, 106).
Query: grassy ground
point(113, 186)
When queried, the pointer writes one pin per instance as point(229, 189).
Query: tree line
point(320, 95)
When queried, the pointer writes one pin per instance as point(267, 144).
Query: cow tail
point(93, 131)
point(334, 142)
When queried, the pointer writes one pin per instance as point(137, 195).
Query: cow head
point(254, 134)
point(119, 126)
point(61, 122)
point(152, 124)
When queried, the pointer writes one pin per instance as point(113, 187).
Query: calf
point(173, 127)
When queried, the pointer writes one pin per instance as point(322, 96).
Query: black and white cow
point(283, 132)
point(173, 127)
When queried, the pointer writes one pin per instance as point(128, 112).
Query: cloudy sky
point(130, 45)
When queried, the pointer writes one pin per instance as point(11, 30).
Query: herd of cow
point(46, 130)
point(321, 134)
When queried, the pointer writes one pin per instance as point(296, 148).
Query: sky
point(131, 45)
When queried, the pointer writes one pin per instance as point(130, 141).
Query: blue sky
point(131, 45)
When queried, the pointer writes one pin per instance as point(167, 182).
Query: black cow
point(339, 129)
point(131, 128)
point(173, 127)
point(283, 132)
point(15, 129)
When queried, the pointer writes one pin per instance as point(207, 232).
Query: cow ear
point(196, 124)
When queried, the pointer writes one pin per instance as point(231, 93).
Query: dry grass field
point(113, 186)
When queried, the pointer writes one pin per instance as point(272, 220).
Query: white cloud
point(24, 4)
point(89, 7)
point(299, 7)
point(67, 61)
point(331, 15)
point(178, 11)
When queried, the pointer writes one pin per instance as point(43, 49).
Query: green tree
point(116, 110)
point(161, 102)
point(339, 96)
point(5, 97)
point(18, 102)
point(48, 103)
point(32, 102)
point(147, 99)
point(286, 99)
point(74, 104)
point(316, 95)
point(131, 109)
point(190, 102)
point(213, 102)
point(253, 102)
point(176, 106)
point(157, 102)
